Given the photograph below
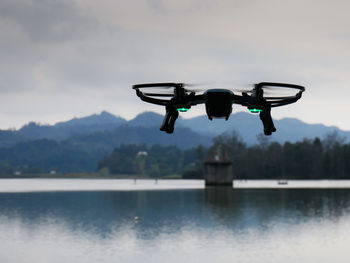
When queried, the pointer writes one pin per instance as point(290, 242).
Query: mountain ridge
point(246, 124)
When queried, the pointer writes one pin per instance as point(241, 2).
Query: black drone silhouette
point(218, 102)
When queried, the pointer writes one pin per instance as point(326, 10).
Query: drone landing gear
point(265, 117)
point(169, 120)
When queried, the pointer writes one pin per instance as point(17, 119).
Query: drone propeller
point(243, 90)
point(265, 92)
point(197, 87)
point(169, 85)
point(279, 98)
point(272, 91)
point(218, 84)
point(164, 85)
point(196, 90)
point(195, 84)
point(159, 94)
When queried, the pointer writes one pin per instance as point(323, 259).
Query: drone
point(218, 102)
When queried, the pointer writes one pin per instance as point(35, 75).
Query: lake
point(77, 220)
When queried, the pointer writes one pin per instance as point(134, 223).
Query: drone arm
point(197, 99)
point(265, 117)
point(241, 100)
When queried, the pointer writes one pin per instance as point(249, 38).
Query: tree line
point(317, 158)
point(328, 158)
point(43, 156)
point(153, 161)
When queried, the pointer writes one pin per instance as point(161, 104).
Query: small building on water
point(218, 172)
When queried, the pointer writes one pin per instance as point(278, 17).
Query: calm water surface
point(177, 222)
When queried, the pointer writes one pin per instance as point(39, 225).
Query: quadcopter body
point(218, 102)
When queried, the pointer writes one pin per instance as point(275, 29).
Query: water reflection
point(204, 224)
point(263, 207)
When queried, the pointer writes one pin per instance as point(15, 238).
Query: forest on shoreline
point(326, 158)
point(307, 159)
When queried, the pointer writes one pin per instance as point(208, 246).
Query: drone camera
point(218, 103)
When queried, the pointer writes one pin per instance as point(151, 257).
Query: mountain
point(63, 130)
point(10, 137)
point(292, 130)
point(108, 131)
point(146, 119)
point(249, 126)
point(45, 155)
point(182, 137)
point(81, 152)
point(104, 118)
point(144, 128)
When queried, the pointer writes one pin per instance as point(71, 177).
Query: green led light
point(182, 109)
point(255, 110)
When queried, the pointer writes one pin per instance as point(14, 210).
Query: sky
point(72, 58)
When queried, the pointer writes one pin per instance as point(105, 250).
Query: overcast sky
point(66, 58)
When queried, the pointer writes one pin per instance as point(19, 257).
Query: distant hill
point(63, 130)
point(183, 137)
point(104, 118)
point(249, 126)
point(195, 130)
point(147, 119)
point(81, 152)
point(44, 155)
point(10, 137)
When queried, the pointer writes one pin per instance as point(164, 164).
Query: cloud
point(47, 20)
point(62, 52)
